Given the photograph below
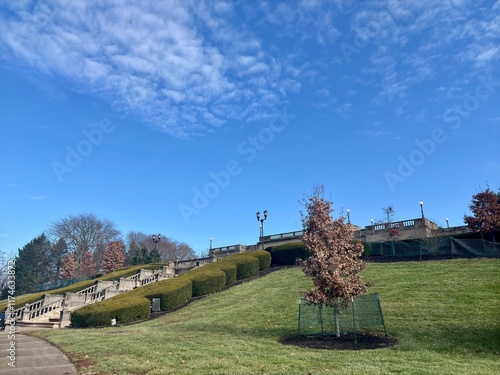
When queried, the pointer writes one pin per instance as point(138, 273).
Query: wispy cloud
point(180, 66)
point(37, 197)
point(415, 41)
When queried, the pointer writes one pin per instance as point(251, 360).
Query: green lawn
point(444, 313)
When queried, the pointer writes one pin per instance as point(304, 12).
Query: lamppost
point(261, 240)
point(210, 243)
point(447, 223)
point(349, 216)
point(371, 220)
point(422, 208)
point(156, 239)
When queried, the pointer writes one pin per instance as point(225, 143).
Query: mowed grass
point(445, 315)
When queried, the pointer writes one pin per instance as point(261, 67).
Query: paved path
point(33, 356)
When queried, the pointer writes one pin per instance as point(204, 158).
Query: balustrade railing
point(191, 263)
point(43, 309)
point(137, 276)
point(89, 290)
point(283, 236)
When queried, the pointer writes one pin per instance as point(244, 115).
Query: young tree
point(485, 208)
point(335, 261)
point(68, 266)
point(391, 229)
point(114, 257)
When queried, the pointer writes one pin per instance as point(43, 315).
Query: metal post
point(354, 320)
point(261, 237)
point(155, 240)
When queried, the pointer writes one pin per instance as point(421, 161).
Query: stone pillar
point(126, 284)
point(64, 318)
point(168, 272)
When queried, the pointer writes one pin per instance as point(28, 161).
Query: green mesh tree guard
point(364, 314)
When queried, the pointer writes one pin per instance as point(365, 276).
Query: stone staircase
point(54, 310)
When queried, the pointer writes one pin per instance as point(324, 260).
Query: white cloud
point(415, 41)
point(165, 62)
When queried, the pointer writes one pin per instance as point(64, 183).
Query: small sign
point(156, 305)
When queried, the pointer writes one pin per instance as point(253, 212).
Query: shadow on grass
point(362, 341)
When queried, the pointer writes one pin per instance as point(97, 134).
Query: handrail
point(91, 289)
point(281, 236)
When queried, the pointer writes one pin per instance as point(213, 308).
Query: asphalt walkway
point(31, 356)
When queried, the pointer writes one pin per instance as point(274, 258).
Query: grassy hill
point(444, 313)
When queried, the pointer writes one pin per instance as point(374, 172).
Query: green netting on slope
point(363, 314)
point(434, 246)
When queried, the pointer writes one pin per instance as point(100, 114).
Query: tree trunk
point(337, 326)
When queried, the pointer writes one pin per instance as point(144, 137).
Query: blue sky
point(185, 118)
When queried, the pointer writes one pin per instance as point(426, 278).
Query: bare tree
point(433, 245)
point(85, 233)
point(335, 261)
point(391, 227)
point(4, 272)
point(169, 249)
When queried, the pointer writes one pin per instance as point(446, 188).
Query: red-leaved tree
point(86, 267)
point(335, 261)
point(114, 257)
point(485, 208)
point(68, 266)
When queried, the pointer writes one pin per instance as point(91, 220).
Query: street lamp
point(348, 216)
point(447, 223)
point(210, 243)
point(156, 239)
point(422, 208)
point(371, 220)
point(262, 227)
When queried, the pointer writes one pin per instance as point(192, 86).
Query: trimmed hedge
point(172, 292)
point(125, 310)
point(246, 265)
point(207, 280)
point(287, 254)
point(263, 256)
point(229, 269)
point(135, 305)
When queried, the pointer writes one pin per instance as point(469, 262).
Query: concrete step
point(36, 325)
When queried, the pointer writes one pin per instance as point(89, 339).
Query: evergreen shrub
point(207, 280)
point(288, 253)
point(172, 292)
point(124, 310)
point(246, 265)
point(263, 256)
point(229, 269)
